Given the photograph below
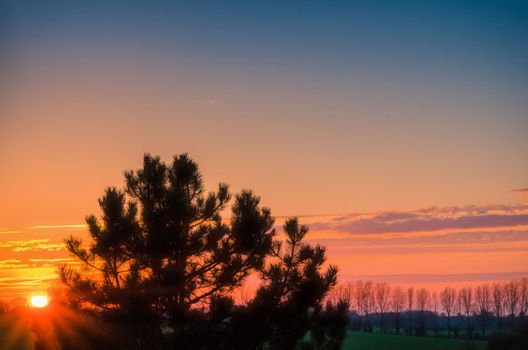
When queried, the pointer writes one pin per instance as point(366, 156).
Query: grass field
point(14, 334)
point(369, 341)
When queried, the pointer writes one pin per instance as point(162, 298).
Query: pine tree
point(161, 266)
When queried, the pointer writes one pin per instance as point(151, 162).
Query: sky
point(397, 130)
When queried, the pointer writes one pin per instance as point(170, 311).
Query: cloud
point(491, 237)
point(520, 190)
point(207, 102)
point(47, 246)
point(23, 243)
point(5, 232)
point(31, 263)
point(52, 260)
point(432, 278)
point(31, 245)
point(9, 261)
point(522, 193)
point(428, 219)
point(12, 264)
point(73, 226)
point(32, 280)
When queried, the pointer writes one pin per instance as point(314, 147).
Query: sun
point(39, 301)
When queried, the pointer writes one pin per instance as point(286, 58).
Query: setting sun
point(39, 301)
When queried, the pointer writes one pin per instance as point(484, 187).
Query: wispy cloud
point(72, 226)
point(31, 245)
point(12, 264)
point(472, 228)
point(432, 278)
point(522, 193)
point(207, 102)
point(520, 190)
point(2, 232)
point(51, 260)
point(32, 280)
point(47, 246)
point(428, 219)
point(22, 243)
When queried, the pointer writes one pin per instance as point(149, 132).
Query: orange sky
point(399, 135)
point(427, 247)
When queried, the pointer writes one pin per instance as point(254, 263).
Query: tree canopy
point(162, 264)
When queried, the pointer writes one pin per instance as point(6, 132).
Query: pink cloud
point(429, 219)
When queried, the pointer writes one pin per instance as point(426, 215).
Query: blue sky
point(431, 92)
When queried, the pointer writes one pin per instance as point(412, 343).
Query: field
point(369, 341)
point(14, 334)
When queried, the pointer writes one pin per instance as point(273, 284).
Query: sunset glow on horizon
point(399, 136)
point(456, 246)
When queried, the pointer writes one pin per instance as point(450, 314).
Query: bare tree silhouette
point(498, 303)
point(466, 295)
point(410, 303)
point(523, 302)
point(382, 295)
point(512, 296)
point(483, 299)
point(436, 302)
point(422, 301)
point(398, 305)
point(448, 299)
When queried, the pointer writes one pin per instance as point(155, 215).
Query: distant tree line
point(499, 307)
